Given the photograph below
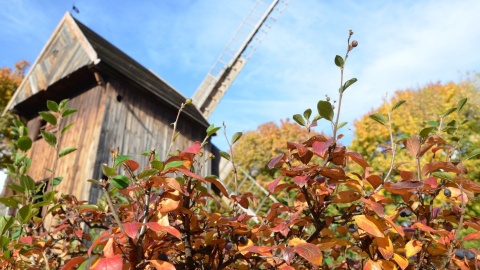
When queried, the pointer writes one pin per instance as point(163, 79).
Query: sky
point(402, 44)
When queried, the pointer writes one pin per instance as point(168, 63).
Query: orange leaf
point(113, 263)
point(358, 159)
point(369, 224)
point(376, 207)
point(401, 261)
point(154, 226)
point(162, 265)
point(108, 249)
point(385, 247)
point(73, 262)
point(372, 265)
point(346, 196)
point(412, 248)
point(413, 145)
point(310, 252)
point(472, 236)
point(295, 241)
point(132, 164)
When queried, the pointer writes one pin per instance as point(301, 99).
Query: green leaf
point(94, 181)
point(68, 111)
point(316, 118)
point(121, 159)
point(147, 173)
point(56, 181)
point(225, 155)
point(339, 61)
point(173, 164)
point(398, 104)
point(49, 137)
point(307, 113)
point(16, 188)
point(27, 183)
point(236, 137)
point(473, 154)
point(425, 132)
point(325, 110)
point(5, 223)
point(299, 119)
point(449, 111)
point(65, 151)
point(379, 118)
point(24, 213)
point(108, 171)
point(24, 143)
point(50, 118)
point(52, 105)
point(212, 130)
point(461, 103)
point(444, 176)
point(347, 84)
point(119, 181)
point(9, 202)
point(342, 124)
point(62, 105)
point(157, 165)
point(66, 128)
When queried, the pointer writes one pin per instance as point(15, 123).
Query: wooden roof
point(72, 48)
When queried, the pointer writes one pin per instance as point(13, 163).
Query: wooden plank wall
point(77, 167)
point(136, 122)
point(63, 55)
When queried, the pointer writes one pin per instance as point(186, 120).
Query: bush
point(160, 217)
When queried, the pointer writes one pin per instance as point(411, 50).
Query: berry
point(406, 213)
point(460, 253)
point(469, 255)
point(447, 192)
point(352, 228)
point(228, 246)
point(354, 43)
point(162, 257)
point(448, 226)
point(243, 239)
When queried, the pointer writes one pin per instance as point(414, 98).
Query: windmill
point(228, 65)
point(240, 48)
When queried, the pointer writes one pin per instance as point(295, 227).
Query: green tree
point(9, 82)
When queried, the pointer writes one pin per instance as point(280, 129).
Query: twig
point(235, 177)
point(114, 213)
point(172, 141)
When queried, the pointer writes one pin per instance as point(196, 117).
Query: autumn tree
point(9, 81)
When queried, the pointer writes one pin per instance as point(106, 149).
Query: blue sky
point(402, 44)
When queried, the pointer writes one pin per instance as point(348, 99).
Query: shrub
point(160, 217)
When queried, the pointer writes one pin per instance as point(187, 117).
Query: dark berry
point(460, 253)
point(448, 226)
point(469, 255)
point(354, 43)
point(228, 246)
point(406, 213)
point(162, 257)
point(447, 192)
point(243, 239)
point(352, 228)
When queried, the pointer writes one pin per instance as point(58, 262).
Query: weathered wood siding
point(63, 54)
point(135, 122)
point(77, 167)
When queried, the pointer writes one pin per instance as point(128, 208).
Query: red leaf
point(25, 239)
point(276, 161)
point(472, 236)
point(358, 159)
point(320, 148)
point(218, 184)
point(113, 263)
point(437, 165)
point(310, 252)
point(131, 229)
point(162, 265)
point(301, 180)
point(79, 233)
point(271, 187)
point(73, 262)
point(194, 149)
point(154, 226)
point(432, 181)
point(132, 164)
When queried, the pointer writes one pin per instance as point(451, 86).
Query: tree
point(9, 82)
point(255, 149)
